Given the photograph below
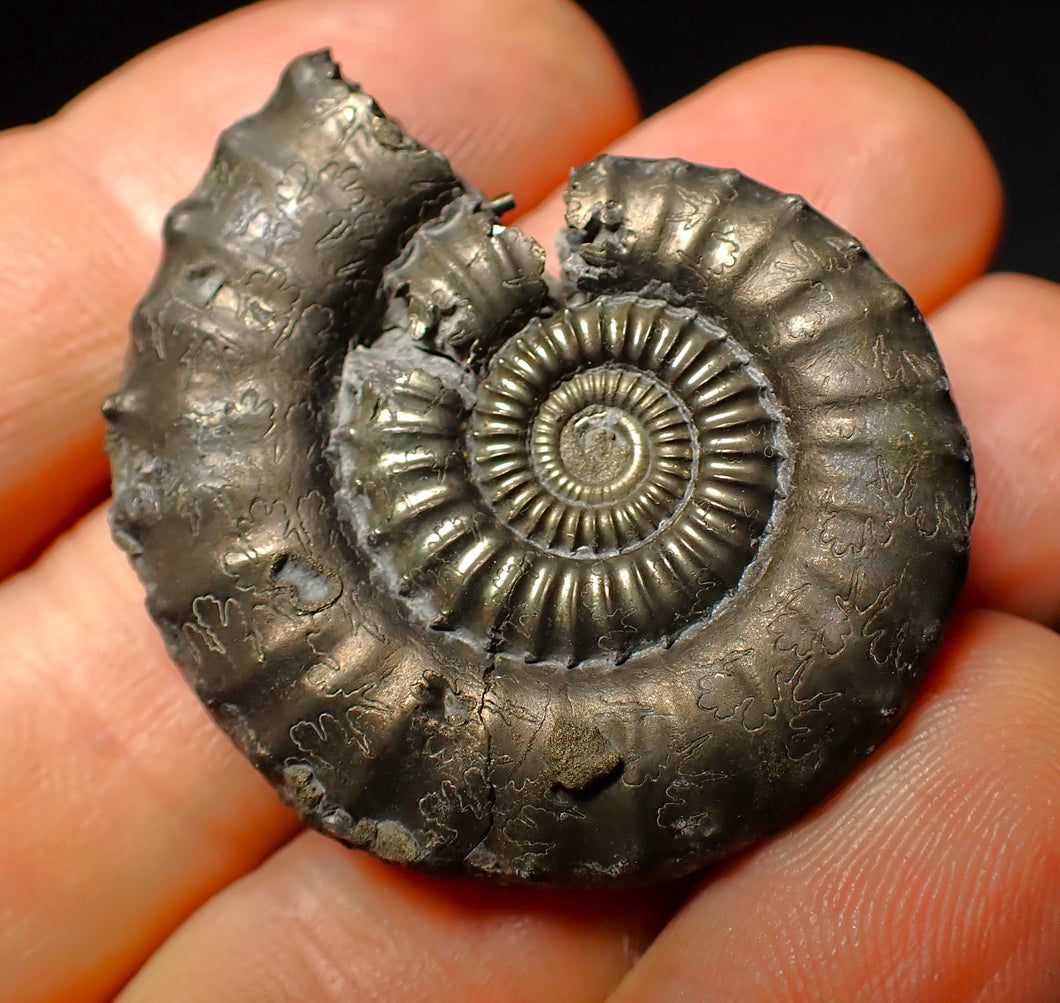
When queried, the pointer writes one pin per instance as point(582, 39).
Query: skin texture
point(140, 850)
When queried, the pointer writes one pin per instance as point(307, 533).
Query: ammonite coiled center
point(621, 468)
point(589, 450)
point(601, 467)
point(603, 451)
point(583, 441)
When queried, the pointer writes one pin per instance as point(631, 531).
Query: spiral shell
point(584, 585)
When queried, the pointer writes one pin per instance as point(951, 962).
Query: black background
point(1002, 66)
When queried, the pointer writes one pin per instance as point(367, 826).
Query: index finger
point(135, 808)
point(513, 93)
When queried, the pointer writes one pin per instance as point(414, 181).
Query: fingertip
point(867, 142)
point(512, 93)
point(1000, 339)
point(906, 169)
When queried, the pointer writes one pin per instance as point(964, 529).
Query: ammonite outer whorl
point(572, 586)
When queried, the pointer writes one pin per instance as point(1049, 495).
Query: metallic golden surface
point(587, 584)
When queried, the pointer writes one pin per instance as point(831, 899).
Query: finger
point(513, 92)
point(124, 807)
point(1001, 341)
point(933, 875)
point(868, 143)
point(86, 914)
point(322, 923)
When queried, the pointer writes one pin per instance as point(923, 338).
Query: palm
point(137, 841)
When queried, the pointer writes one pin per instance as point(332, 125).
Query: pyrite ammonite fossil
point(574, 585)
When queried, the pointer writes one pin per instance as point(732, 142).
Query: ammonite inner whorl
point(585, 584)
point(607, 486)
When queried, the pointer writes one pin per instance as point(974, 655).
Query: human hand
point(138, 842)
